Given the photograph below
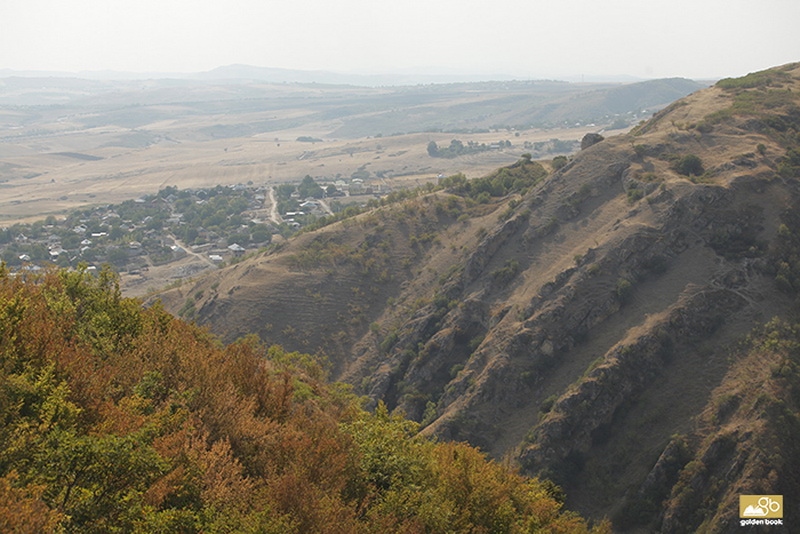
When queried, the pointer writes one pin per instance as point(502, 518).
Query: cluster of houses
point(308, 206)
point(100, 237)
point(154, 229)
point(122, 235)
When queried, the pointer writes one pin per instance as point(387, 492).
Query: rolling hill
point(590, 323)
point(126, 138)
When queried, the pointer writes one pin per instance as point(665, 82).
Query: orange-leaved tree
point(120, 418)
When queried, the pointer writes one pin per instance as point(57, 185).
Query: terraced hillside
point(587, 323)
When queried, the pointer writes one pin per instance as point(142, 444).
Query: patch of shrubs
point(766, 78)
point(516, 178)
point(688, 165)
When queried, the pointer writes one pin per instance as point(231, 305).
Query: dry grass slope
point(574, 326)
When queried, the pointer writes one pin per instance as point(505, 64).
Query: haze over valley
point(92, 142)
point(569, 303)
point(399, 267)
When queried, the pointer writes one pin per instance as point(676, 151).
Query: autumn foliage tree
point(117, 418)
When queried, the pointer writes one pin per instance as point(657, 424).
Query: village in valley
point(218, 225)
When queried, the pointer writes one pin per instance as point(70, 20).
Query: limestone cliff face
point(576, 328)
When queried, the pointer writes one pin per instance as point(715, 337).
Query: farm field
point(67, 143)
point(60, 172)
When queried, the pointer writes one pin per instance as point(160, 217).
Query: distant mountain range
point(348, 106)
point(240, 73)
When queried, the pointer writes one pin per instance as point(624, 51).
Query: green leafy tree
point(309, 188)
point(284, 191)
point(559, 162)
point(117, 256)
point(261, 234)
point(689, 165)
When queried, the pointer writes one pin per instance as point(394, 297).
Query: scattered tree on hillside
point(458, 148)
point(513, 179)
point(689, 165)
point(559, 162)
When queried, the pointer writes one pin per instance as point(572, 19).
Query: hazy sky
point(531, 38)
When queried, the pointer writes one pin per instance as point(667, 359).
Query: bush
point(789, 166)
point(516, 178)
point(689, 165)
point(754, 79)
point(559, 162)
point(624, 290)
point(506, 273)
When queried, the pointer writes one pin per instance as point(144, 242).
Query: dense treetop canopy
point(118, 418)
